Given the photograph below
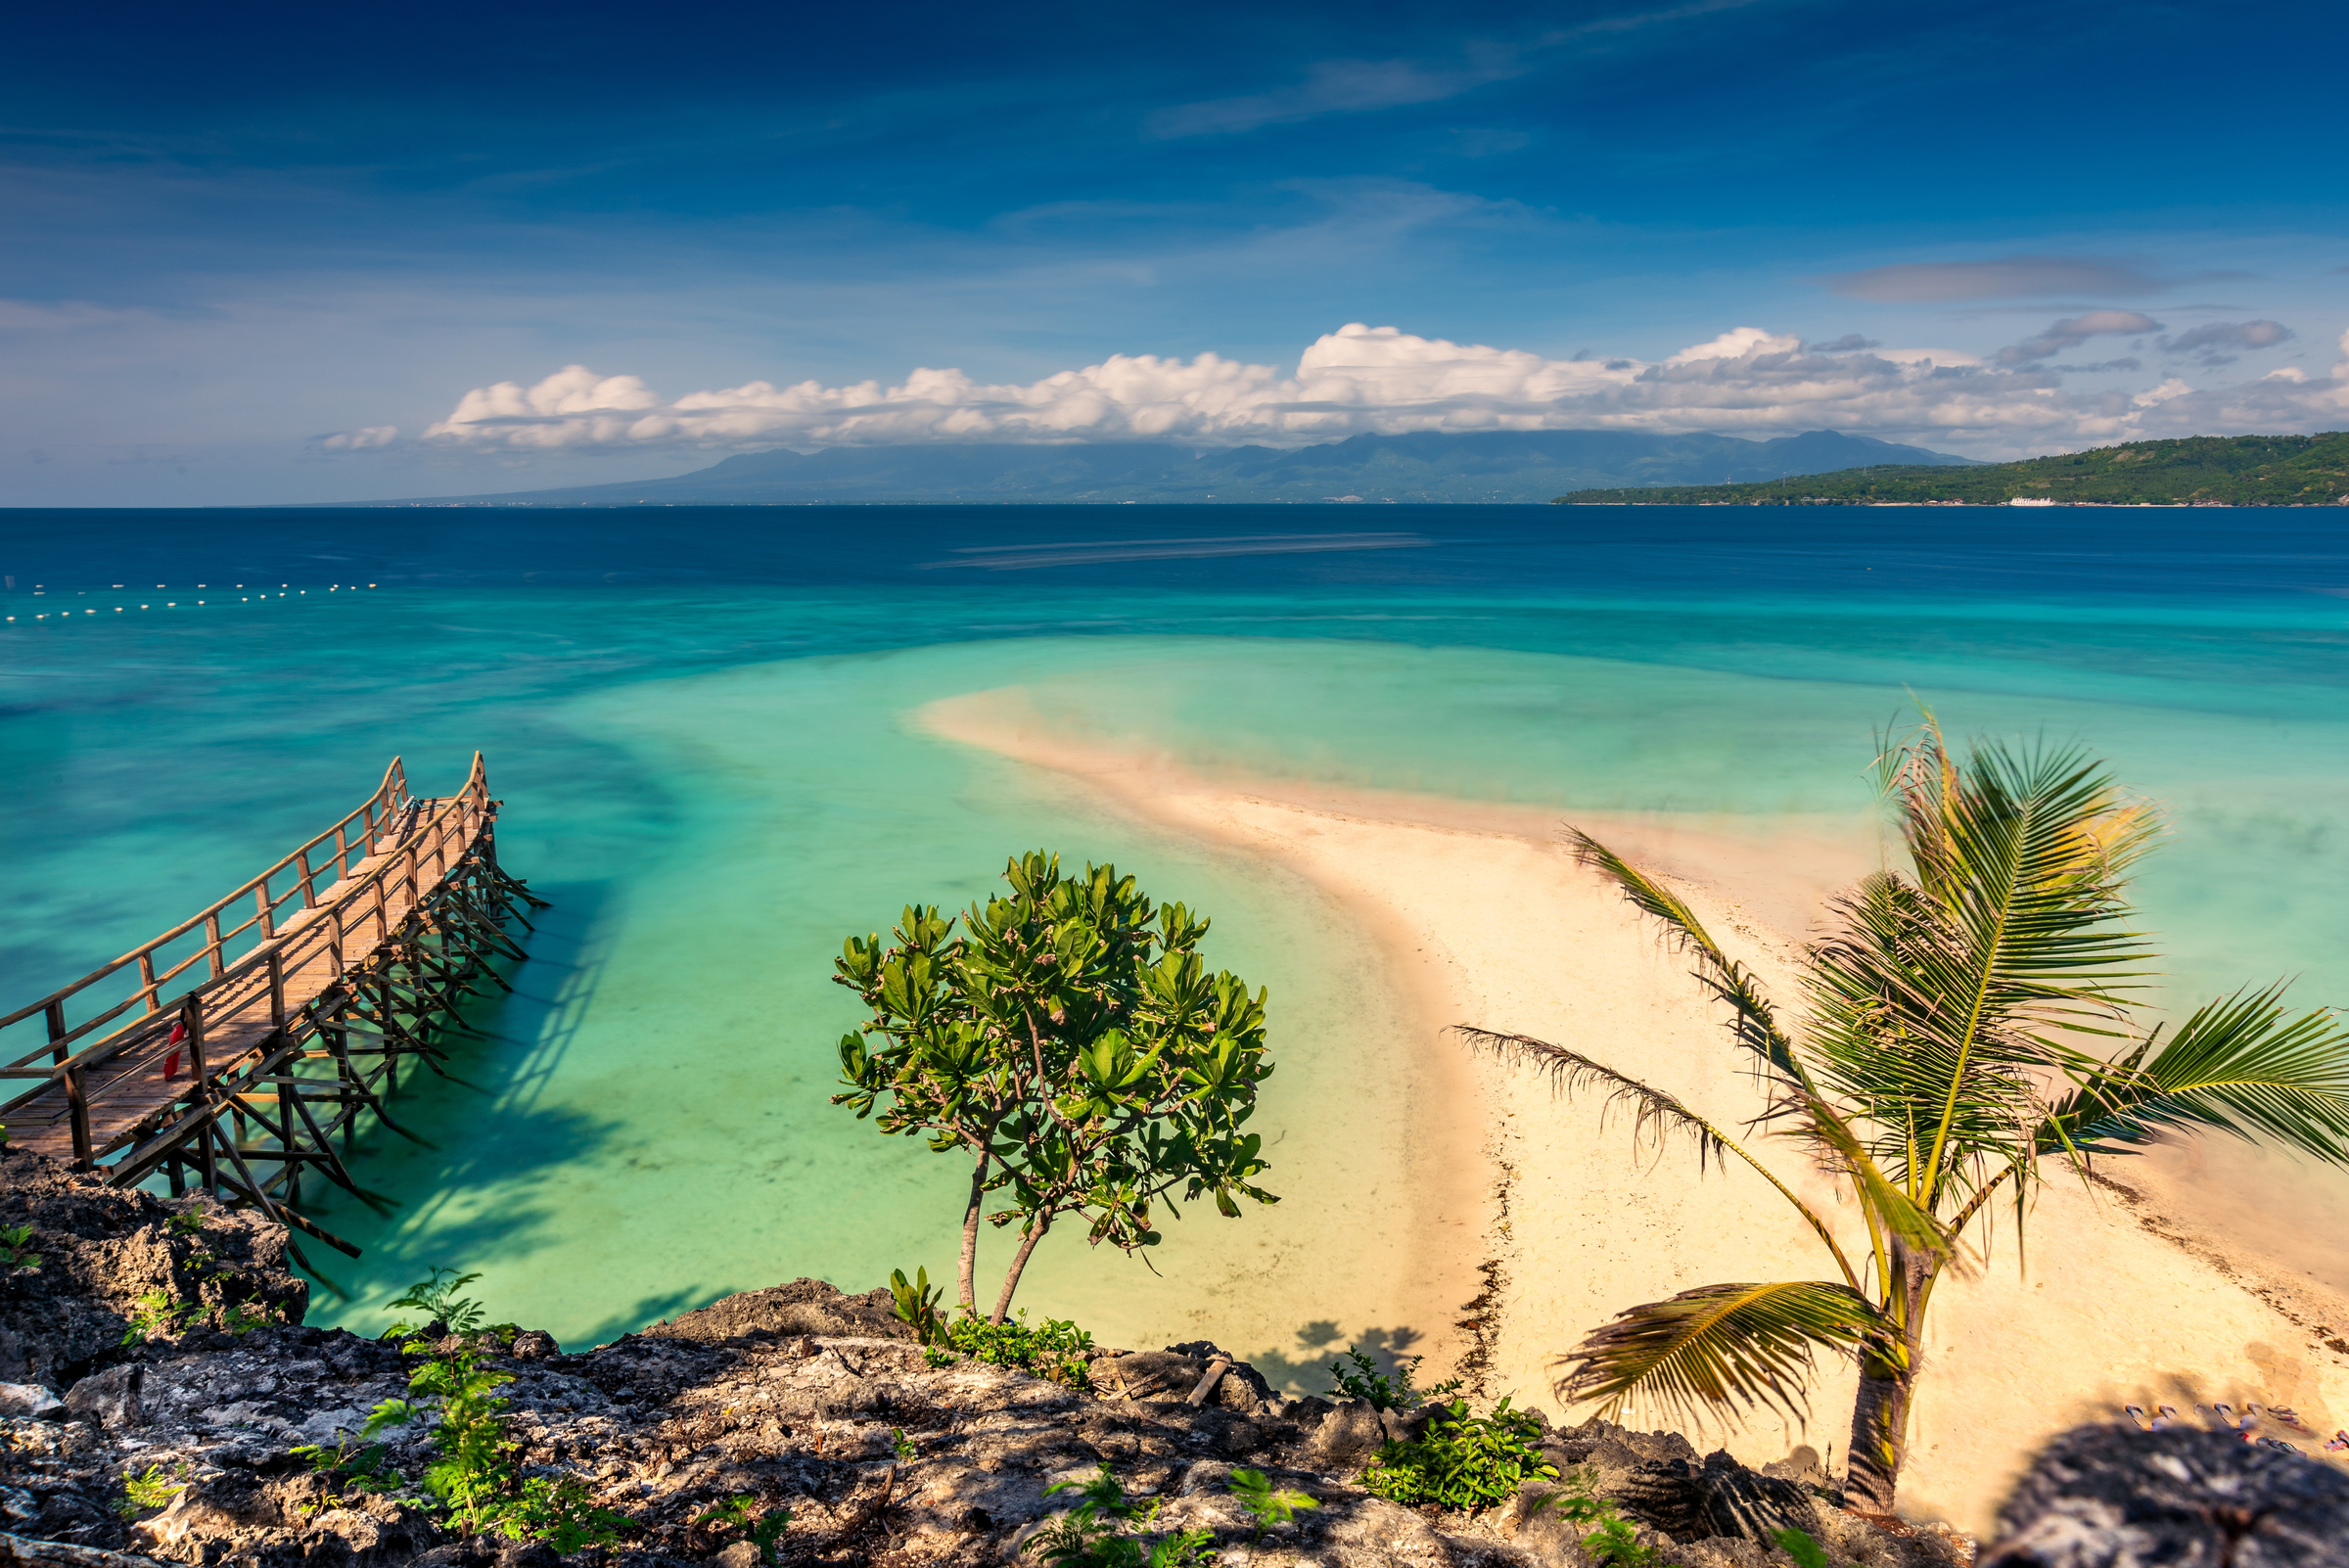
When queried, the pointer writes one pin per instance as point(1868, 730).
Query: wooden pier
point(231, 1053)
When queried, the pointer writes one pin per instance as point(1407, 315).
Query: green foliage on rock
point(436, 1298)
point(150, 1489)
point(1271, 1506)
point(2205, 470)
point(1463, 1461)
point(1108, 1529)
point(562, 1513)
point(1385, 1391)
point(917, 1305)
point(1072, 1043)
point(762, 1530)
point(1613, 1540)
point(15, 1251)
point(1058, 1351)
point(474, 1480)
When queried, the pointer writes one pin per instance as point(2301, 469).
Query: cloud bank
point(1363, 379)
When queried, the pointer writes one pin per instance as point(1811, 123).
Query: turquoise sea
point(698, 721)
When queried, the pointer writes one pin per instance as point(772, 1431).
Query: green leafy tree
point(1944, 1062)
point(1069, 1042)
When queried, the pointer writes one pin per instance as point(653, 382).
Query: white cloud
point(1362, 379)
point(1736, 344)
point(358, 441)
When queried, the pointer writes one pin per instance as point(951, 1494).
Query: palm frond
point(1880, 1038)
point(2240, 1065)
point(1722, 1350)
point(1657, 1115)
point(1757, 1023)
point(2014, 929)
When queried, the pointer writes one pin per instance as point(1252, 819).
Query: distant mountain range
point(1489, 466)
point(2196, 471)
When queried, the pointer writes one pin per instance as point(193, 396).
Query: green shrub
point(156, 1314)
point(150, 1489)
point(917, 1305)
point(436, 1298)
point(1385, 1392)
point(1107, 1529)
point(1270, 1506)
point(1613, 1540)
point(356, 1471)
point(1463, 1461)
point(474, 1480)
point(1059, 1350)
point(1798, 1544)
point(562, 1513)
point(762, 1531)
point(16, 1249)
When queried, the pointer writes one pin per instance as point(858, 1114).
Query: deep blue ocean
point(697, 719)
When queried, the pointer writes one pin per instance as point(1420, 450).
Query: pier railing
point(282, 959)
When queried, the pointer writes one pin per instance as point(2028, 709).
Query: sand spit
point(1486, 919)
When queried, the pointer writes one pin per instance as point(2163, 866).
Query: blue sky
point(284, 252)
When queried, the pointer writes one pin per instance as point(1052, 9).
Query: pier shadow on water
point(485, 1184)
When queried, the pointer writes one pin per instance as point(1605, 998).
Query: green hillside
point(2200, 470)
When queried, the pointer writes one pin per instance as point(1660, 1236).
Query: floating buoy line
point(260, 593)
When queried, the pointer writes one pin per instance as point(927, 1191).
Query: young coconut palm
point(1942, 1062)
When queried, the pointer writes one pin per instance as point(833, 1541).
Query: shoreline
point(1483, 918)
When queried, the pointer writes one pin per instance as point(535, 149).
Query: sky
point(276, 252)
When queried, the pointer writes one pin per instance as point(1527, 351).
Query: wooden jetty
point(229, 1053)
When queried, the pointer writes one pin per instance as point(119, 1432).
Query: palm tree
point(1967, 1024)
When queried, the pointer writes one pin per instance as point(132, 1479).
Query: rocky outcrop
point(102, 1248)
point(2113, 1497)
point(803, 1306)
point(876, 1453)
point(183, 1448)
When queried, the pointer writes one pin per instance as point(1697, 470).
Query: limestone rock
point(109, 1397)
point(29, 1400)
point(1379, 1534)
point(803, 1306)
point(2108, 1496)
point(1151, 1376)
point(1345, 1439)
point(1241, 1388)
point(100, 1248)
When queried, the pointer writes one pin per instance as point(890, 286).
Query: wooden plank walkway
point(292, 1021)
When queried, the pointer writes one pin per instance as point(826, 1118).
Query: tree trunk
point(1887, 1388)
point(967, 1293)
point(1011, 1282)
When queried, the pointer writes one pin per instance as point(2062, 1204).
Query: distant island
point(2197, 470)
point(1521, 467)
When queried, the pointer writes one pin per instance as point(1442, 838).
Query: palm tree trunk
point(1011, 1282)
point(967, 1294)
point(1887, 1388)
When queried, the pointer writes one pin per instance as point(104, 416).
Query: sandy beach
point(1482, 918)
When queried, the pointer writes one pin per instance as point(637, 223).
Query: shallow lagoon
point(699, 724)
